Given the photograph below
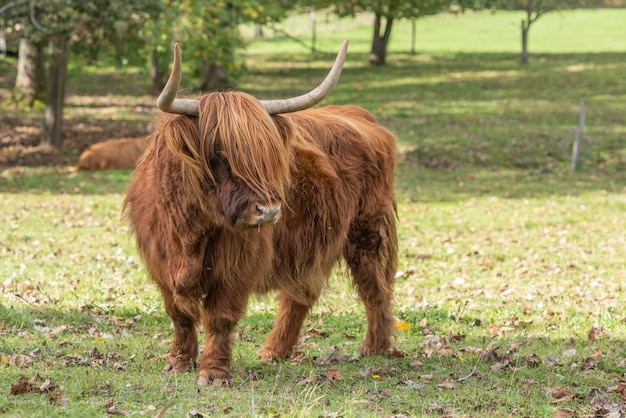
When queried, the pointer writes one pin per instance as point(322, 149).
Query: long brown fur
point(113, 154)
point(331, 169)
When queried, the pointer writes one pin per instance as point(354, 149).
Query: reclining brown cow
point(113, 154)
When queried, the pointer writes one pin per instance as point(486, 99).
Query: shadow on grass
point(61, 180)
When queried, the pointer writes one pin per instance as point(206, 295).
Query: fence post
point(578, 136)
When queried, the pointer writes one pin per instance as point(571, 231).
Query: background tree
point(533, 10)
point(387, 11)
point(61, 23)
point(209, 34)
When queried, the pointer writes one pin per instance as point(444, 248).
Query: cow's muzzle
point(267, 214)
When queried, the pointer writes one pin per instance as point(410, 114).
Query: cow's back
point(343, 169)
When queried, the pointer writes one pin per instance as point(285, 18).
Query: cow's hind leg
point(286, 332)
point(371, 254)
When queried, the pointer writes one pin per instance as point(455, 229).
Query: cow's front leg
point(182, 356)
point(222, 311)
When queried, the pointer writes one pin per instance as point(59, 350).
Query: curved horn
point(313, 97)
point(167, 100)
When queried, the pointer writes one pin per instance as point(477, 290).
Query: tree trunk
point(214, 78)
point(525, 28)
point(413, 35)
point(30, 82)
point(156, 73)
point(52, 134)
point(379, 42)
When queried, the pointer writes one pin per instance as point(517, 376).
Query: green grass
point(512, 270)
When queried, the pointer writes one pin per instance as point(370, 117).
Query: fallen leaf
point(334, 375)
point(416, 365)
point(621, 389)
point(332, 357)
point(426, 377)
point(366, 371)
point(54, 398)
point(499, 366)
point(95, 354)
point(526, 386)
point(161, 413)
point(23, 386)
point(21, 360)
point(560, 395)
point(592, 359)
point(47, 386)
point(448, 384)
point(595, 332)
point(317, 333)
point(111, 408)
point(564, 413)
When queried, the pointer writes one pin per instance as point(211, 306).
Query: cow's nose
point(268, 214)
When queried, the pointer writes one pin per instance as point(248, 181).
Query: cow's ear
point(182, 139)
point(284, 127)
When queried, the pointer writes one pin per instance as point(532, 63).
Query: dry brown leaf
point(334, 375)
point(515, 346)
point(595, 333)
point(470, 350)
point(493, 329)
point(332, 357)
point(366, 371)
point(560, 395)
point(526, 386)
point(47, 386)
point(54, 398)
point(416, 365)
point(21, 360)
point(591, 360)
point(426, 377)
point(23, 386)
point(161, 413)
point(499, 366)
point(621, 389)
point(564, 413)
point(448, 384)
point(95, 354)
point(317, 333)
point(300, 358)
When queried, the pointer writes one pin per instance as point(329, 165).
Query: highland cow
point(113, 154)
point(237, 196)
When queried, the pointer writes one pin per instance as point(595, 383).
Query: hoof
point(203, 381)
point(389, 351)
point(215, 377)
point(179, 366)
point(270, 355)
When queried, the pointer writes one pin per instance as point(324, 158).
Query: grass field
point(510, 292)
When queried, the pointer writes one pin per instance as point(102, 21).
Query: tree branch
point(8, 6)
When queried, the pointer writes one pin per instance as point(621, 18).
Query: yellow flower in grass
point(404, 326)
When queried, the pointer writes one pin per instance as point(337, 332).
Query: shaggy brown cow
point(113, 154)
point(242, 200)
